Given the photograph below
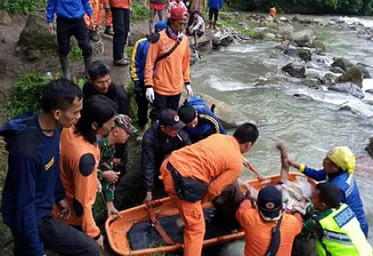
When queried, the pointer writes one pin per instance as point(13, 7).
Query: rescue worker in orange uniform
point(200, 172)
point(105, 9)
point(79, 161)
point(164, 88)
point(273, 12)
point(92, 23)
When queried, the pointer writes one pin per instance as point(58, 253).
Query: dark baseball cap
point(171, 119)
point(270, 203)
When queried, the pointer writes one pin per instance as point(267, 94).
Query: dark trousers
point(66, 28)
point(162, 102)
point(227, 203)
point(123, 155)
point(142, 106)
point(213, 12)
point(121, 25)
point(61, 239)
point(127, 184)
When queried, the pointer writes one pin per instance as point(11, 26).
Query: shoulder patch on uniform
point(344, 216)
point(155, 38)
point(87, 164)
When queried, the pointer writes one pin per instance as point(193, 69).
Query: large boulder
point(229, 116)
point(336, 70)
point(369, 148)
point(348, 88)
point(342, 63)
point(35, 35)
point(363, 69)
point(319, 46)
point(285, 30)
point(353, 75)
point(330, 78)
point(291, 51)
point(295, 70)
point(136, 34)
point(304, 38)
point(5, 19)
point(304, 54)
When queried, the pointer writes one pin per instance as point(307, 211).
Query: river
point(310, 128)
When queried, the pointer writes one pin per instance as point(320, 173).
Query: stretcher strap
point(159, 228)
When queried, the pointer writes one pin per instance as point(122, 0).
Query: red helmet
point(179, 13)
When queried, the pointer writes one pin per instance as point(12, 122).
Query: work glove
point(149, 94)
point(189, 90)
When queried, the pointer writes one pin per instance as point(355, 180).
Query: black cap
point(171, 119)
point(270, 203)
point(187, 113)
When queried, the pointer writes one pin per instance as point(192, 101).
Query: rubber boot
point(87, 61)
point(65, 67)
point(214, 25)
point(210, 22)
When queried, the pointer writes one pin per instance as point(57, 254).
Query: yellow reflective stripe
point(212, 120)
point(133, 62)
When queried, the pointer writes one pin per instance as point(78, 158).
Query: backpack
point(199, 103)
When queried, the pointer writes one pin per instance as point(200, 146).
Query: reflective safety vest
point(342, 235)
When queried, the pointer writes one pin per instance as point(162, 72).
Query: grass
point(139, 13)
point(25, 95)
point(75, 54)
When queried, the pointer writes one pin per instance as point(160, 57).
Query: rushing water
point(310, 127)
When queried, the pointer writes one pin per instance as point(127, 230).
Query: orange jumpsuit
point(172, 72)
point(95, 11)
point(258, 233)
point(272, 12)
point(80, 188)
point(216, 160)
point(105, 8)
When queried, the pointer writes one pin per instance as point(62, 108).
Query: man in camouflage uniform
point(108, 178)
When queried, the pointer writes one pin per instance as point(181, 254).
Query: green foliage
point(139, 13)
point(24, 6)
point(75, 54)
point(360, 7)
point(26, 94)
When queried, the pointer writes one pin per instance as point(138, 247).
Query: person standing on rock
point(137, 70)
point(214, 7)
point(33, 184)
point(120, 10)
point(169, 58)
point(157, 7)
point(70, 22)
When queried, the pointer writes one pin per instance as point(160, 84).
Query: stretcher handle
point(251, 168)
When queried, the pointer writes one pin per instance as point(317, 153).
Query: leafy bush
point(25, 95)
point(139, 13)
point(75, 54)
point(24, 6)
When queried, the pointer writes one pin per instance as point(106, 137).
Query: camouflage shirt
point(106, 164)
